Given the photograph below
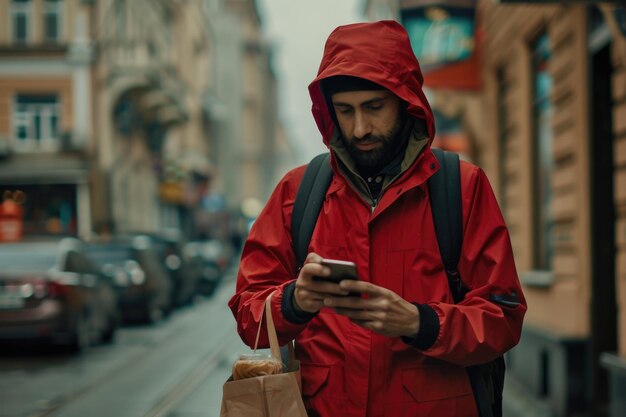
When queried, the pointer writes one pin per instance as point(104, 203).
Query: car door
point(105, 296)
point(87, 285)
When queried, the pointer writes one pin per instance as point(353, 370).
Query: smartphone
point(339, 270)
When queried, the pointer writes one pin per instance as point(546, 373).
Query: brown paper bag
point(269, 395)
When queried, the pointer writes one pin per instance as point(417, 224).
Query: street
point(175, 368)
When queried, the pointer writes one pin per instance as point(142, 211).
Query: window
point(544, 163)
point(20, 11)
point(36, 122)
point(78, 263)
point(52, 20)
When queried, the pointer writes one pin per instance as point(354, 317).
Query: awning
point(40, 170)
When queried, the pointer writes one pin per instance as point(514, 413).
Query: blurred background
point(139, 140)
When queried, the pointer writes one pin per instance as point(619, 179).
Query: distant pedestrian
point(398, 344)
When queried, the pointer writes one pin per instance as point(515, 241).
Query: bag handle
point(272, 337)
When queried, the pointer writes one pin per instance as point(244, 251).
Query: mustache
point(366, 139)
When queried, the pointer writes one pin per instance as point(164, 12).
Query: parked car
point(51, 291)
point(181, 270)
point(216, 257)
point(194, 264)
point(143, 286)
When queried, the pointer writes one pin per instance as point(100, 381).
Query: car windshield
point(28, 257)
point(109, 254)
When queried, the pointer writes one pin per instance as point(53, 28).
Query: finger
point(374, 325)
point(312, 257)
point(306, 294)
point(362, 287)
point(357, 303)
point(328, 288)
point(320, 286)
point(362, 315)
point(353, 314)
point(325, 294)
point(314, 269)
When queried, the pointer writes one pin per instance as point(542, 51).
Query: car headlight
point(173, 262)
point(137, 276)
point(26, 290)
point(121, 278)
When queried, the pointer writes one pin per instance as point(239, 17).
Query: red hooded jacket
point(350, 371)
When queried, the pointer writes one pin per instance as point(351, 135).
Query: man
point(401, 348)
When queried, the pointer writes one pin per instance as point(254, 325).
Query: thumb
point(313, 258)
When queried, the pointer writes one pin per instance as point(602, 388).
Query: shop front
point(52, 201)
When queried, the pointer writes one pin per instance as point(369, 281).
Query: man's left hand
point(382, 311)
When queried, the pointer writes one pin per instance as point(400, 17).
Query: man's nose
point(362, 126)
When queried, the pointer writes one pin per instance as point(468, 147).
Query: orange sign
point(11, 221)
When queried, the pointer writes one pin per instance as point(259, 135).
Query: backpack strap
point(447, 207)
point(308, 204)
point(444, 188)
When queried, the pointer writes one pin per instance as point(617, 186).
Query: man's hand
point(383, 311)
point(310, 293)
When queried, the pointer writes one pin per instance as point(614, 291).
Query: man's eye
point(375, 106)
point(344, 110)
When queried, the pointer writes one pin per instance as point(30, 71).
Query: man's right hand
point(310, 292)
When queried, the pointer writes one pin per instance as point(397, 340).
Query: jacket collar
point(344, 166)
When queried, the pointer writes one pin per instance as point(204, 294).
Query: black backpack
point(445, 198)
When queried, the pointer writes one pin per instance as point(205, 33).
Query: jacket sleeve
point(268, 265)
point(488, 321)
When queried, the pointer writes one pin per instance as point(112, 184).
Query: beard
point(389, 146)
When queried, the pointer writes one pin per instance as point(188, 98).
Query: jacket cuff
point(290, 311)
point(429, 328)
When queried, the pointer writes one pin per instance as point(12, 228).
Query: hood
point(380, 52)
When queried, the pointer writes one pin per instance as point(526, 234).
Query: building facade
point(151, 141)
point(45, 114)
point(122, 116)
point(259, 118)
point(548, 127)
point(554, 102)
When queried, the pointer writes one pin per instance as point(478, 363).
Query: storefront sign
point(11, 221)
point(173, 193)
point(446, 41)
point(440, 34)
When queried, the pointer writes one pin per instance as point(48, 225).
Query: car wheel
point(206, 288)
point(154, 313)
point(109, 333)
point(81, 338)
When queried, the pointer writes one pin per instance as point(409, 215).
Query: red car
point(50, 291)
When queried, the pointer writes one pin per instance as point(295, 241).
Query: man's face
point(369, 122)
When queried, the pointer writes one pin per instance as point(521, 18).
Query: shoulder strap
point(446, 203)
point(308, 204)
point(445, 200)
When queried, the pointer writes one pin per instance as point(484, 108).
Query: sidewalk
point(518, 402)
